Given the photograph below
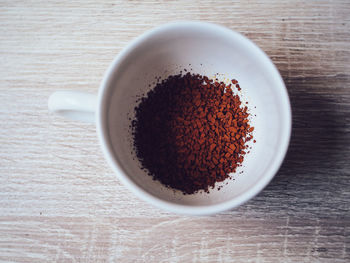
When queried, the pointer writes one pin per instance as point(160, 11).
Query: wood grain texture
point(60, 202)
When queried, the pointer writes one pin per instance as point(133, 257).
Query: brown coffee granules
point(191, 132)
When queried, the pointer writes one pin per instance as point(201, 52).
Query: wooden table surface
point(60, 202)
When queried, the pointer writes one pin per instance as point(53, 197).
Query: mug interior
point(207, 49)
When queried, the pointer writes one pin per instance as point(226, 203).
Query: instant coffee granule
point(190, 132)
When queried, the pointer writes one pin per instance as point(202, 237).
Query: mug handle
point(74, 105)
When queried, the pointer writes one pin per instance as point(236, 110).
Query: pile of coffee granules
point(190, 132)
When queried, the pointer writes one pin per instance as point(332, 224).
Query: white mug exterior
point(75, 105)
point(207, 49)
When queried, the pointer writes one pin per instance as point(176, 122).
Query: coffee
point(191, 131)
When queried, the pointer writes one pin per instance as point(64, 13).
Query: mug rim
point(102, 131)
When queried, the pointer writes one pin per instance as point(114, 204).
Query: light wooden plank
point(61, 202)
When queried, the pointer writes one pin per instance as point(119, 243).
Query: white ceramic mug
point(207, 49)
